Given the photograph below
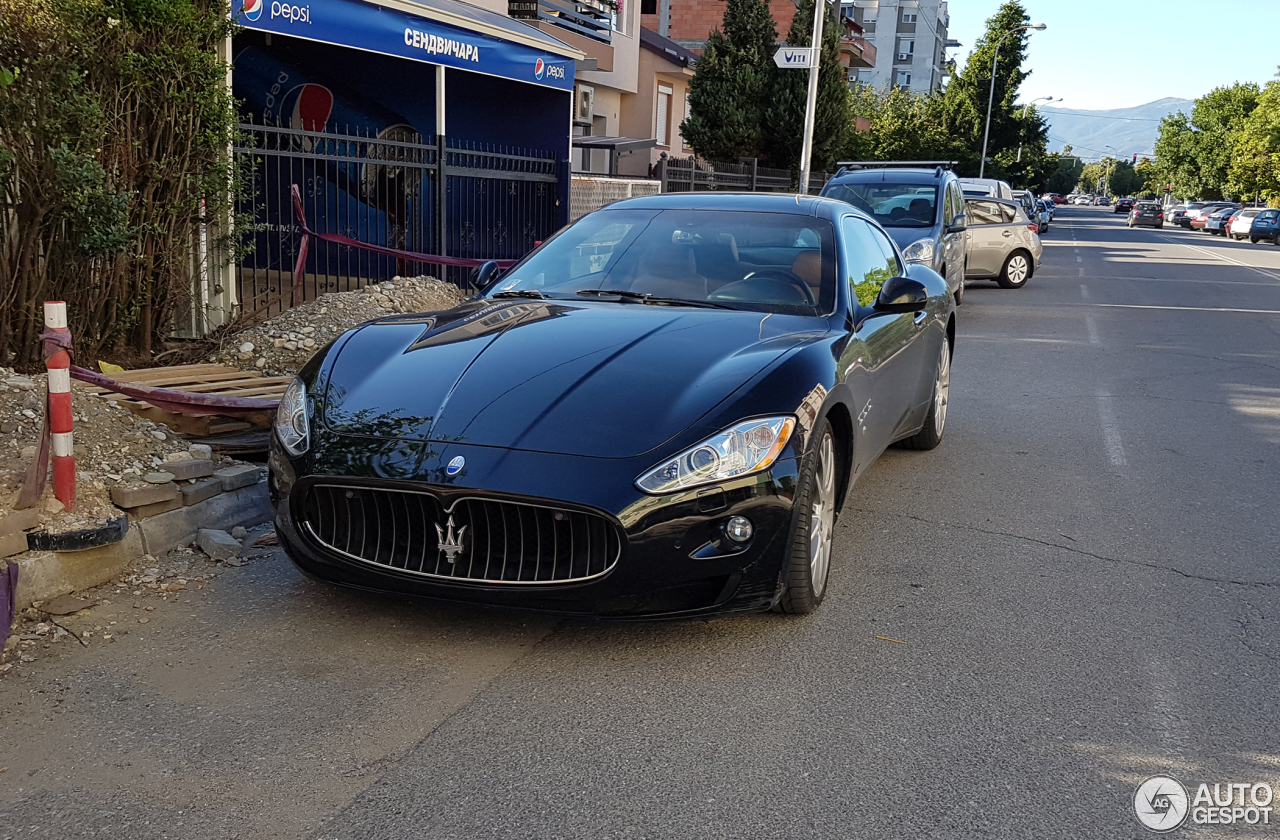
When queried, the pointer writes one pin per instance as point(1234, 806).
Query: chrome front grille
point(477, 540)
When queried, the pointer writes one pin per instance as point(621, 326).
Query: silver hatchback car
point(1003, 243)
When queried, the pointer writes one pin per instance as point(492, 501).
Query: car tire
point(959, 292)
point(930, 435)
point(808, 564)
point(1253, 239)
point(1016, 271)
point(1159, 227)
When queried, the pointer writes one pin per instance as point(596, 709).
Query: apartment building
point(910, 40)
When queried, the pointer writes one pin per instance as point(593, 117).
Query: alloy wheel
point(822, 515)
point(942, 390)
point(1017, 269)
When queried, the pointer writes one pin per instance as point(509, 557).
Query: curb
point(47, 574)
point(112, 532)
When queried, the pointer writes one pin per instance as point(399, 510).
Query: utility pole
point(811, 103)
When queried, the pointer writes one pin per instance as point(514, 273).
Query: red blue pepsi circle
point(253, 9)
point(539, 66)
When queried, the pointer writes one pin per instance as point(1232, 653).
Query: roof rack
point(880, 164)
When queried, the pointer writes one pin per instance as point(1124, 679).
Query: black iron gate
point(496, 203)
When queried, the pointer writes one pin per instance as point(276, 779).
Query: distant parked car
point(1101, 201)
point(1049, 207)
point(1123, 205)
point(1056, 199)
point(1238, 227)
point(1177, 214)
point(1266, 225)
point(1146, 213)
point(1004, 244)
point(1218, 221)
point(1196, 219)
point(993, 187)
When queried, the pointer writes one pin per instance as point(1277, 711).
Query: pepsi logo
point(253, 9)
point(539, 66)
point(312, 108)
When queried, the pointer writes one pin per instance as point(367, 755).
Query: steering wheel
point(786, 276)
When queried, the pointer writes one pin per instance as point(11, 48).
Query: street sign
point(794, 58)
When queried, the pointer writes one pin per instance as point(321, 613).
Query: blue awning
point(446, 32)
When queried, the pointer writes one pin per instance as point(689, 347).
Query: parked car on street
point(1240, 223)
point(1083, 200)
point(658, 411)
point(1101, 201)
point(1049, 207)
point(1176, 215)
point(986, 186)
point(1266, 225)
point(1195, 216)
point(918, 207)
point(1217, 222)
point(1004, 244)
point(1030, 204)
point(1146, 213)
point(1123, 205)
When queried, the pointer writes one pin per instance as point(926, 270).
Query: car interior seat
point(670, 270)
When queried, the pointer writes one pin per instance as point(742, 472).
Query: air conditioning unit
point(584, 104)
point(904, 56)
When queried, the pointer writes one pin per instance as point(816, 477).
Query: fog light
point(738, 529)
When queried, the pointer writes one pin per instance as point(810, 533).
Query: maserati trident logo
point(450, 543)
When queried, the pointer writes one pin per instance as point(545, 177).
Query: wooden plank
point(144, 375)
point(174, 382)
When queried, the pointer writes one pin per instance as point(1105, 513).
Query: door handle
point(1006, 234)
point(919, 318)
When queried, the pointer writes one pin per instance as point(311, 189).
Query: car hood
point(600, 379)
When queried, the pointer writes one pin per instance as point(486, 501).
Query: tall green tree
point(904, 126)
point(1255, 161)
point(965, 102)
point(729, 90)
point(1124, 179)
point(788, 95)
point(1066, 172)
point(1194, 154)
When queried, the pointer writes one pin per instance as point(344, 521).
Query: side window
point(865, 264)
point(984, 212)
point(1013, 214)
point(954, 205)
point(887, 252)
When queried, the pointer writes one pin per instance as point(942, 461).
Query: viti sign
point(794, 58)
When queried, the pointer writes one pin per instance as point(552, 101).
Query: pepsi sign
point(253, 9)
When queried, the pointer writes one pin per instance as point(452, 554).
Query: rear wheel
point(936, 421)
point(809, 563)
point(1253, 239)
point(1016, 271)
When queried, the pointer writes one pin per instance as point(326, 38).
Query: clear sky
point(1082, 55)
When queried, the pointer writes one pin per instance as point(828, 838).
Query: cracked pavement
point(1083, 579)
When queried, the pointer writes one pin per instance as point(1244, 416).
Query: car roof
point(907, 175)
point(1005, 201)
point(803, 205)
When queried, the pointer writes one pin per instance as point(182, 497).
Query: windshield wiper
point(521, 293)
point(642, 297)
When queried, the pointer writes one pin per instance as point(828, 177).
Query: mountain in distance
point(1129, 130)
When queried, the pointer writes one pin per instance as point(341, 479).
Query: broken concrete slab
point(44, 575)
point(19, 520)
point(189, 468)
point(233, 478)
point(11, 544)
point(201, 490)
point(218, 544)
point(247, 506)
point(156, 508)
point(136, 495)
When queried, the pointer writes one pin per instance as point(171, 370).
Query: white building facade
point(910, 37)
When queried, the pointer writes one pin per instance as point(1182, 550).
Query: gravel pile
point(282, 345)
point(111, 445)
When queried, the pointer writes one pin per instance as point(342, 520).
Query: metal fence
point(384, 189)
point(587, 194)
point(693, 174)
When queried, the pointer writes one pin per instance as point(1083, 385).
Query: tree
point(965, 101)
point(904, 126)
point(1066, 172)
point(1124, 179)
point(729, 89)
point(789, 91)
point(1194, 154)
point(1255, 161)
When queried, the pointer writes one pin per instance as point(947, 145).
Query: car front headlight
point(291, 423)
point(749, 447)
point(920, 251)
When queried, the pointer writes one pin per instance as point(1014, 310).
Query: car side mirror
point(902, 294)
point(483, 275)
point(958, 224)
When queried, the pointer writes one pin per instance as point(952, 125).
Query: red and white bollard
point(59, 366)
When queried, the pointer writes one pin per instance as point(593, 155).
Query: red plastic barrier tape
point(410, 256)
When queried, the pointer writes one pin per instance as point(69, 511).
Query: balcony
point(855, 50)
point(591, 19)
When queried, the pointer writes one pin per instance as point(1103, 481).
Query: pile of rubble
point(282, 345)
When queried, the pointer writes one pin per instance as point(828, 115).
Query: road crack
point(1146, 564)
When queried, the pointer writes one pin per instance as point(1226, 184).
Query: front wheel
point(809, 562)
point(936, 422)
point(1016, 271)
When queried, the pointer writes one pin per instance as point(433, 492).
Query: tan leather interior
point(808, 267)
point(670, 271)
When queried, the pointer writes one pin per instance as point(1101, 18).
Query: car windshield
point(891, 204)
point(765, 262)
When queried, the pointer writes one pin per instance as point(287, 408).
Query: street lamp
point(1024, 115)
point(986, 133)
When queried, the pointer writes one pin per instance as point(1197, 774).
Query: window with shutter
point(664, 111)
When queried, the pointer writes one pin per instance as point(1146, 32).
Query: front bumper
point(673, 559)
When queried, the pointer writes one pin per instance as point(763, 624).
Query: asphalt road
point(1082, 582)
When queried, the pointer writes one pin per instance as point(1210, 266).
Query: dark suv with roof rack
point(919, 203)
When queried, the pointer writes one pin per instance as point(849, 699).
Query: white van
point(991, 187)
